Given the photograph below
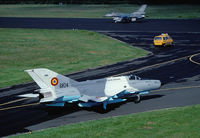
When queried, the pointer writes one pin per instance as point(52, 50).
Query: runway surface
point(102, 24)
point(177, 67)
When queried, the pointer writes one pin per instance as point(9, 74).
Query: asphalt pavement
point(152, 25)
point(177, 67)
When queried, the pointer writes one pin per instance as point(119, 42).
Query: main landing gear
point(137, 98)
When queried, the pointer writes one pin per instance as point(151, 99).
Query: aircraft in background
point(57, 90)
point(128, 17)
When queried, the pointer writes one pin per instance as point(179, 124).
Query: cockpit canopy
point(134, 77)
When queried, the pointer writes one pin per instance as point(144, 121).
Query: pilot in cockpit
point(134, 77)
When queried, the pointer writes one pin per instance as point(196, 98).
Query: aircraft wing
point(86, 98)
point(122, 17)
point(99, 95)
point(90, 101)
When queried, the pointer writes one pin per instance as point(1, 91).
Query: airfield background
point(99, 1)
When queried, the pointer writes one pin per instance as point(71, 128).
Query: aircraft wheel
point(137, 100)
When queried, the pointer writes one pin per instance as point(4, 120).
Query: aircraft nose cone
point(107, 15)
point(157, 83)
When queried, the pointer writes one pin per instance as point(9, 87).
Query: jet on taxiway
point(57, 90)
point(128, 17)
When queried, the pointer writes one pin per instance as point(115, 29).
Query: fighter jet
point(128, 17)
point(58, 90)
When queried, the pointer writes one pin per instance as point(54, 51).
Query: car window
point(158, 38)
point(164, 38)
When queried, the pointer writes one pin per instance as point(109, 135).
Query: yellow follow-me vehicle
point(163, 40)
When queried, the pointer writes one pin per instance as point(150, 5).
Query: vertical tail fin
point(52, 84)
point(47, 78)
point(142, 8)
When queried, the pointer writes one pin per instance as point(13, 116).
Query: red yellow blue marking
point(54, 81)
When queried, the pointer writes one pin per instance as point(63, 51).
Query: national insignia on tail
point(54, 81)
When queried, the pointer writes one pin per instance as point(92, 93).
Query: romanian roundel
point(54, 81)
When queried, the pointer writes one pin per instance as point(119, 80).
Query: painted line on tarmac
point(166, 62)
point(154, 65)
point(19, 106)
point(168, 89)
point(14, 101)
point(178, 88)
point(193, 60)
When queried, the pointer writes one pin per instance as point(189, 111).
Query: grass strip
point(97, 11)
point(63, 51)
point(177, 122)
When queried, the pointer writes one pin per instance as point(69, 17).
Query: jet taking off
point(56, 89)
point(128, 17)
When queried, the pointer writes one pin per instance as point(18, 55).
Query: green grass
point(63, 51)
point(173, 123)
point(97, 11)
point(174, 12)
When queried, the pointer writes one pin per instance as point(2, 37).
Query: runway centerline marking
point(166, 62)
point(19, 106)
point(193, 60)
point(14, 101)
point(151, 66)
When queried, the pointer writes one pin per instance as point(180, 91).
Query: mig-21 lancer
point(57, 90)
point(128, 17)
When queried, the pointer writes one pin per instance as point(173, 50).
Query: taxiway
point(177, 67)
